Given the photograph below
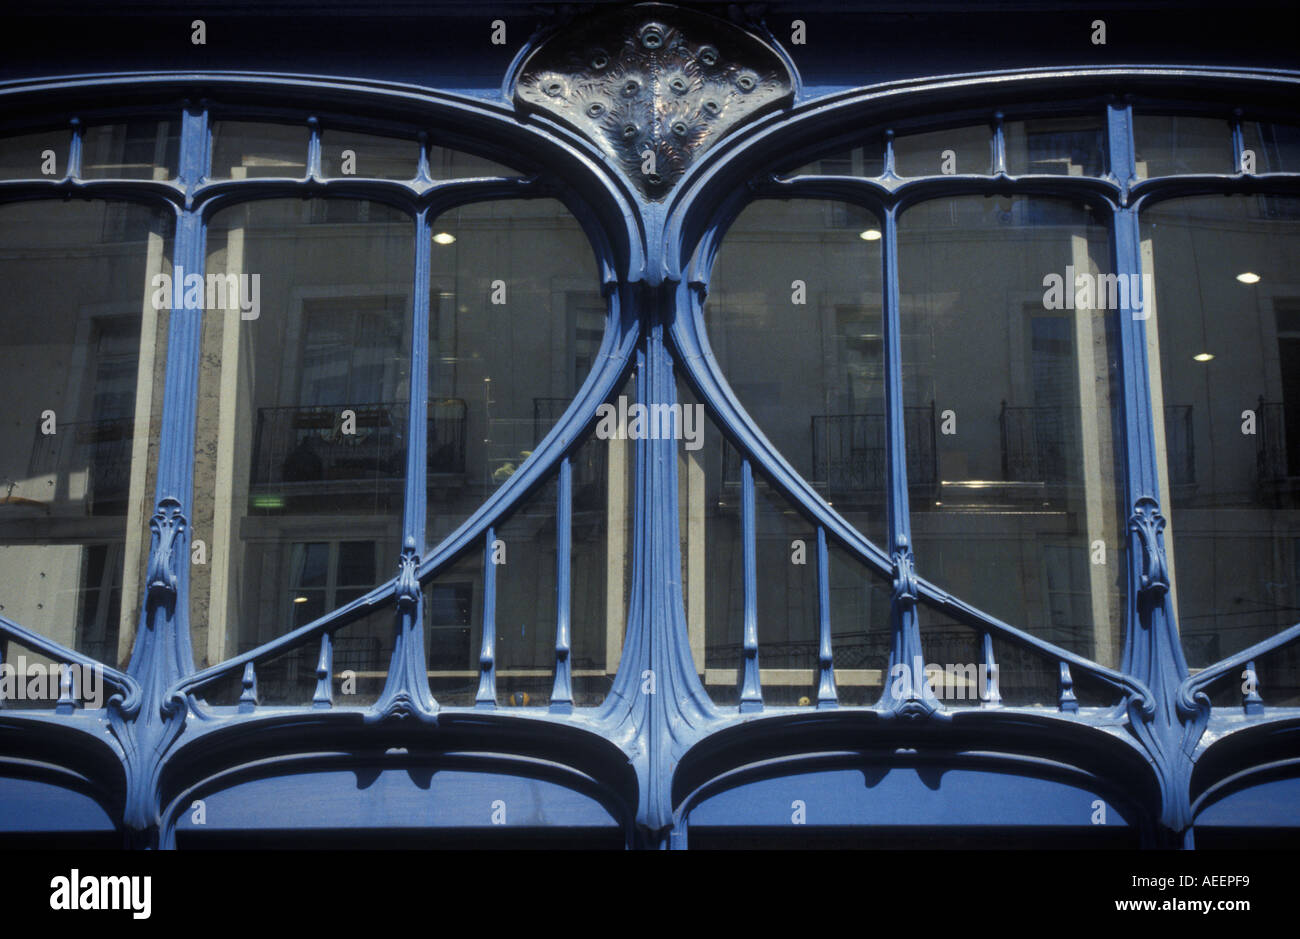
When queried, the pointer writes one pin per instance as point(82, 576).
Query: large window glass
point(81, 349)
point(1226, 365)
point(301, 447)
point(1023, 516)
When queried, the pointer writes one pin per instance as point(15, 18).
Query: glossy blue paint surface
point(658, 755)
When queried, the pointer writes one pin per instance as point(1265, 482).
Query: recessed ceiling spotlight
point(1248, 277)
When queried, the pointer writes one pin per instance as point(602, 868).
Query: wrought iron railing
point(1041, 444)
point(849, 453)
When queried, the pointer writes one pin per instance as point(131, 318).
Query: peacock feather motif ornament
point(654, 86)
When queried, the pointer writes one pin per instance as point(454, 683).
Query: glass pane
point(860, 629)
point(1167, 146)
point(81, 379)
point(300, 460)
point(1276, 147)
point(1023, 517)
point(516, 317)
point(134, 150)
point(445, 163)
point(247, 149)
point(794, 318)
point(345, 153)
point(1071, 146)
point(850, 161)
point(453, 617)
point(42, 155)
point(957, 150)
point(1227, 325)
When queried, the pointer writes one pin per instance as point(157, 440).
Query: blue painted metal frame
point(658, 746)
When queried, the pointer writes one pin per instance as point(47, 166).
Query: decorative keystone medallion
point(654, 85)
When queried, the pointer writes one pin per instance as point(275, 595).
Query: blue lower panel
point(905, 796)
point(1274, 804)
point(343, 799)
point(27, 805)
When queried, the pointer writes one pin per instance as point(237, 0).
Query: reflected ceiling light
point(1203, 356)
point(299, 599)
point(444, 238)
point(1248, 277)
point(871, 234)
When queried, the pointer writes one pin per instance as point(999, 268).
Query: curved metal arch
point(849, 739)
point(1225, 766)
point(574, 754)
point(492, 762)
point(737, 159)
point(452, 118)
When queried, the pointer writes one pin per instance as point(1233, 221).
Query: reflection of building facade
point(377, 511)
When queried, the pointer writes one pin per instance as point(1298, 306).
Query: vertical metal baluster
point(991, 693)
point(999, 146)
point(1250, 697)
point(1068, 702)
point(3, 643)
point(751, 690)
point(248, 699)
point(75, 149)
point(562, 692)
point(324, 697)
point(68, 701)
point(313, 149)
point(487, 658)
point(827, 696)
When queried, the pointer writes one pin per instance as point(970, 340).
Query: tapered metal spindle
point(487, 658)
point(313, 149)
point(75, 149)
point(1250, 697)
point(827, 697)
point(1068, 702)
point(999, 145)
point(562, 692)
point(751, 690)
point(324, 696)
point(248, 699)
point(68, 701)
point(990, 694)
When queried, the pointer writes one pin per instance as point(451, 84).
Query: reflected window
point(1023, 517)
point(82, 351)
point(1227, 328)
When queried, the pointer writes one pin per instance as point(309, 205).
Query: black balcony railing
point(307, 444)
point(99, 449)
point(1041, 444)
point(849, 451)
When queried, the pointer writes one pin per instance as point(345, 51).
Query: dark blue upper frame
point(650, 758)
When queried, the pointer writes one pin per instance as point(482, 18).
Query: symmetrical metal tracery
point(679, 86)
